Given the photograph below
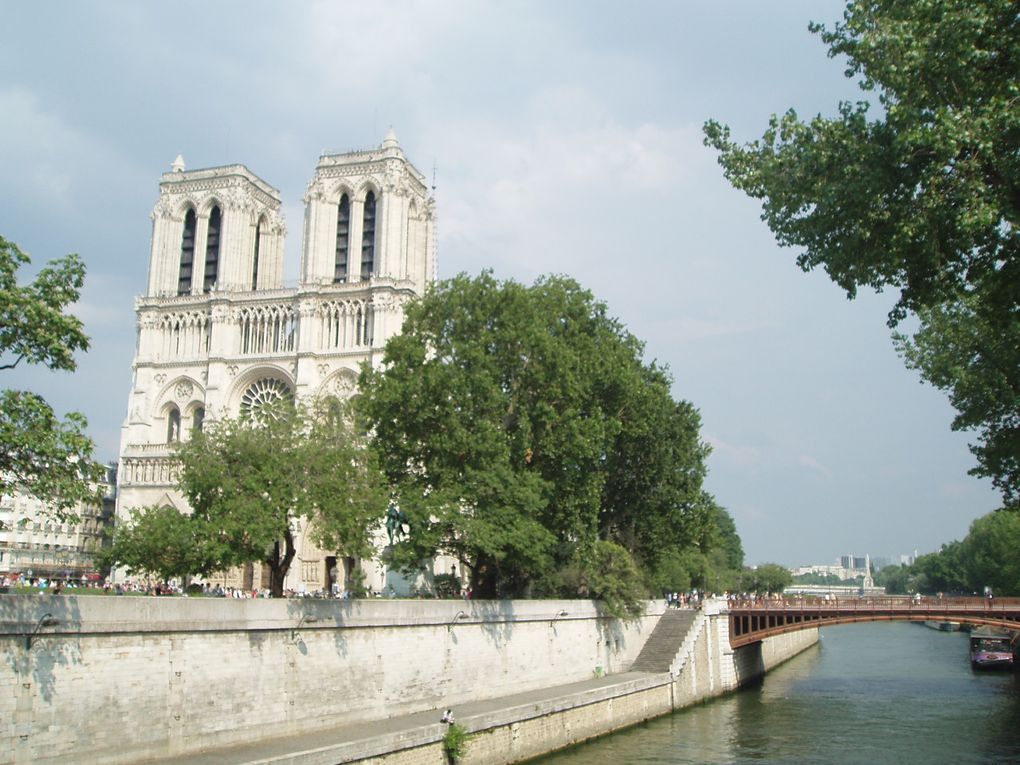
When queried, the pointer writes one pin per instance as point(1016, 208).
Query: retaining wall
point(126, 678)
point(121, 679)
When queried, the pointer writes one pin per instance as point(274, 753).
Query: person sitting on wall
point(447, 717)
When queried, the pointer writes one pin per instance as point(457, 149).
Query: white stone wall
point(123, 678)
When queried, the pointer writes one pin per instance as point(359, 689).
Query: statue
point(396, 523)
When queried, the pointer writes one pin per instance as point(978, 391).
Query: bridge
point(752, 620)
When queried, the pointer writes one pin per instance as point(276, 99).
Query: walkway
point(356, 741)
point(752, 621)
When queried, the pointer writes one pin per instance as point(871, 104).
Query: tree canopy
point(519, 428)
point(987, 557)
point(251, 483)
point(40, 453)
point(917, 188)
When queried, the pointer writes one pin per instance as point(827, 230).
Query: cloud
point(579, 192)
point(737, 455)
point(813, 465)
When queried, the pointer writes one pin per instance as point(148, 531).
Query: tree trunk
point(279, 566)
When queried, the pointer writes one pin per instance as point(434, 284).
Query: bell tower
point(215, 229)
point(369, 216)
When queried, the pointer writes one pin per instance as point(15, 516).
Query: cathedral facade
point(219, 332)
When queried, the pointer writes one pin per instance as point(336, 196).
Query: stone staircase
point(666, 640)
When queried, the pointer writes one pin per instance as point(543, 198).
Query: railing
point(753, 620)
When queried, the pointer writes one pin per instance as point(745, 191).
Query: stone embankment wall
point(119, 680)
point(125, 678)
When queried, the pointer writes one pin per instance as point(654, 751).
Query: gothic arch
point(338, 190)
point(211, 201)
point(183, 392)
point(342, 384)
point(181, 208)
point(362, 191)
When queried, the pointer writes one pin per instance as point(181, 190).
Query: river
point(867, 694)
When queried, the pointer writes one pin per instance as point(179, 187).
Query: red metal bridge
point(751, 621)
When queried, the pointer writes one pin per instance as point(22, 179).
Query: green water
point(871, 693)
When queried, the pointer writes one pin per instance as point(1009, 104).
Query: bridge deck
point(751, 621)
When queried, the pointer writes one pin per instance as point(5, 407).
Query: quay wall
point(118, 680)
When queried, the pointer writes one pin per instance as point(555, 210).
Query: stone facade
point(36, 544)
point(219, 332)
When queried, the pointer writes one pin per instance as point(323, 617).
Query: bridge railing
point(876, 602)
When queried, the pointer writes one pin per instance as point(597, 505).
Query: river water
point(868, 694)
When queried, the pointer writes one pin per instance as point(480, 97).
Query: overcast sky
point(564, 137)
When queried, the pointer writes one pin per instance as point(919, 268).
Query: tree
point(924, 198)
point(518, 427)
point(766, 578)
point(989, 553)
point(160, 541)
point(972, 356)
point(251, 482)
point(898, 579)
point(49, 458)
point(941, 571)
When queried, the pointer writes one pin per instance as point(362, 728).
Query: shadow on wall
point(35, 651)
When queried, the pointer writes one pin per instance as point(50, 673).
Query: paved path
point(354, 741)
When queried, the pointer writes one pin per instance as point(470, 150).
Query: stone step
point(664, 643)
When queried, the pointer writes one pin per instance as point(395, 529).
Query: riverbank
point(119, 680)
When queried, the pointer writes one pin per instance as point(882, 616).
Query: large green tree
point(991, 553)
point(916, 188)
point(250, 481)
point(40, 453)
point(520, 429)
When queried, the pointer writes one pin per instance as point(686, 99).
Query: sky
point(563, 137)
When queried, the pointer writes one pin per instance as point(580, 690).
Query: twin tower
point(220, 333)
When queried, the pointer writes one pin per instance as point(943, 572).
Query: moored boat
point(992, 648)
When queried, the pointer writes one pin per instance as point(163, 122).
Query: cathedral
point(219, 332)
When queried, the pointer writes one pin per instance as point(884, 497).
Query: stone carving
point(184, 389)
point(160, 378)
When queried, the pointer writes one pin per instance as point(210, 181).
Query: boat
point(992, 648)
point(943, 626)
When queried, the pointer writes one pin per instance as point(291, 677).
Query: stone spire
point(178, 165)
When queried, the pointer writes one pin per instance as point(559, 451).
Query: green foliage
point(518, 426)
point(897, 579)
point(991, 553)
point(942, 571)
point(922, 198)
point(766, 578)
point(50, 458)
point(973, 355)
point(455, 741)
point(986, 557)
point(249, 482)
point(161, 542)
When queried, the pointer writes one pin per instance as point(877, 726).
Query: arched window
point(368, 238)
point(212, 250)
point(173, 426)
point(343, 239)
point(197, 419)
point(187, 254)
point(255, 259)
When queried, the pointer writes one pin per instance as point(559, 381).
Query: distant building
point(34, 544)
point(219, 333)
